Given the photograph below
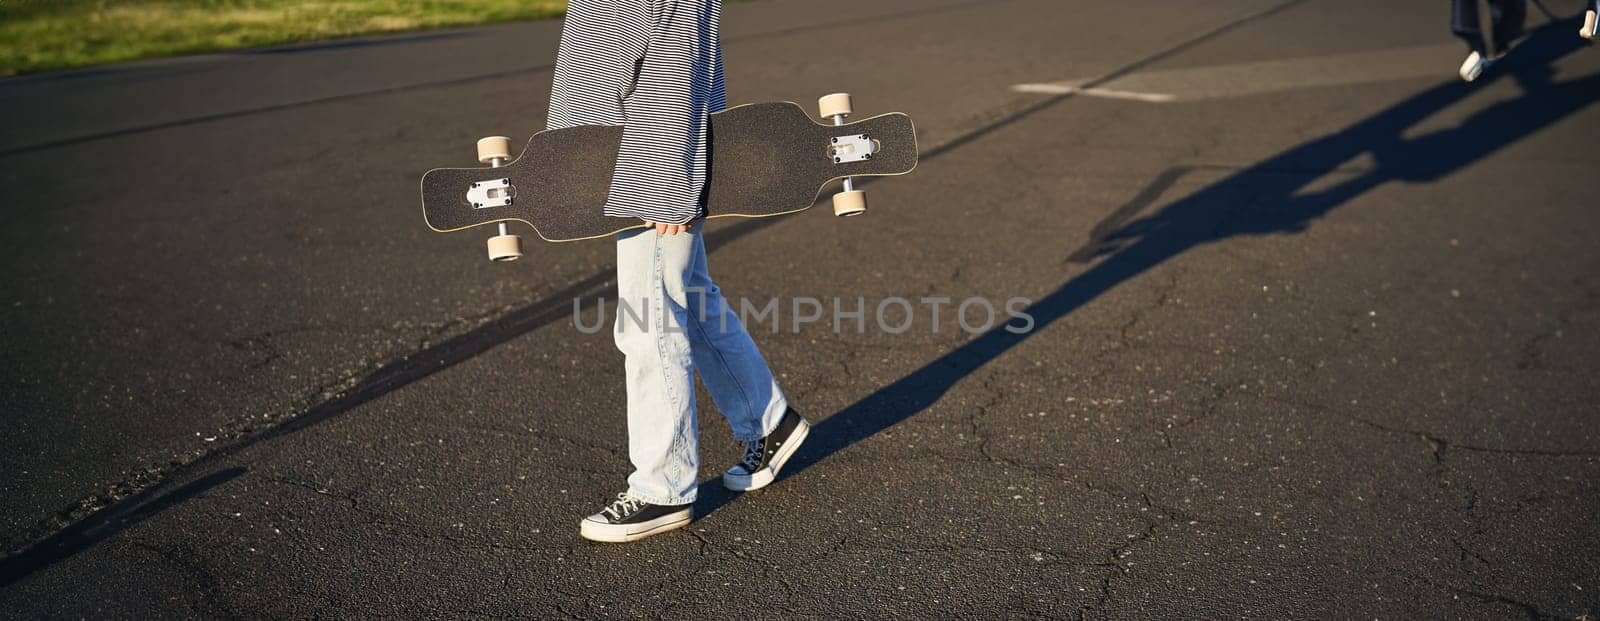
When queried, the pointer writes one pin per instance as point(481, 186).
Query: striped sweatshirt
point(654, 67)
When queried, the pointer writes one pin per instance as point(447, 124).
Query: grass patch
point(43, 35)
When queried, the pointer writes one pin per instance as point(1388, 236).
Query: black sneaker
point(630, 519)
point(763, 458)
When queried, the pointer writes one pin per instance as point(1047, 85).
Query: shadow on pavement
point(1266, 198)
point(101, 526)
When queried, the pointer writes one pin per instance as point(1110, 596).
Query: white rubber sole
point(1589, 24)
point(764, 477)
point(623, 533)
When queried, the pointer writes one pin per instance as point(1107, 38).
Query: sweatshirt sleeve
point(661, 165)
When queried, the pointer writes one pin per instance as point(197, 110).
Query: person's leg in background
point(1465, 25)
point(1508, 17)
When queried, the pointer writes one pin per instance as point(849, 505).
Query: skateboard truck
point(495, 151)
point(844, 149)
point(853, 148)
point(491, 193)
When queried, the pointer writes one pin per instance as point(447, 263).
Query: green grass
point(43, 35)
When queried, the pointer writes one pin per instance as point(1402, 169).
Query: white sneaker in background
point(1473, 67)
point(1588, 29)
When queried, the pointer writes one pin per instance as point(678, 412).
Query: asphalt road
point(1314, 331)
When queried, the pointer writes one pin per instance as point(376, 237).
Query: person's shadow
point(1262, 199)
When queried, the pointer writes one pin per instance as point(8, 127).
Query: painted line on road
point(1270, 76)
point(1064, 89)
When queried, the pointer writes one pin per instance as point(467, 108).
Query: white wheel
point(837, 104)
point(850, 203)
point(494, 147)
point(504, 248)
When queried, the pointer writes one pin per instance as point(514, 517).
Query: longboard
point(767, 159)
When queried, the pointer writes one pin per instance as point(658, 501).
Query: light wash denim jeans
point(672, 322)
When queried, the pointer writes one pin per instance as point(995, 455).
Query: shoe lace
point(754, 450)
point(623, 505)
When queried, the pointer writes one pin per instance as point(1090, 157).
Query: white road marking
point(1060, 88)
point(1270, 76)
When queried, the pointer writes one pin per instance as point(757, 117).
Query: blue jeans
point(672, 322)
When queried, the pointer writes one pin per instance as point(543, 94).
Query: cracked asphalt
point(1302, 345)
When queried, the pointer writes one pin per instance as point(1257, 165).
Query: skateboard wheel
point(837, 104)
point(850, 203)
point(504, 248)
point(494, 147)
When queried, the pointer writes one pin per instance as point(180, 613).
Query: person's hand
point(669, 229)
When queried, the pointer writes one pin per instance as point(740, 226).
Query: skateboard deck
point(766, 159)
